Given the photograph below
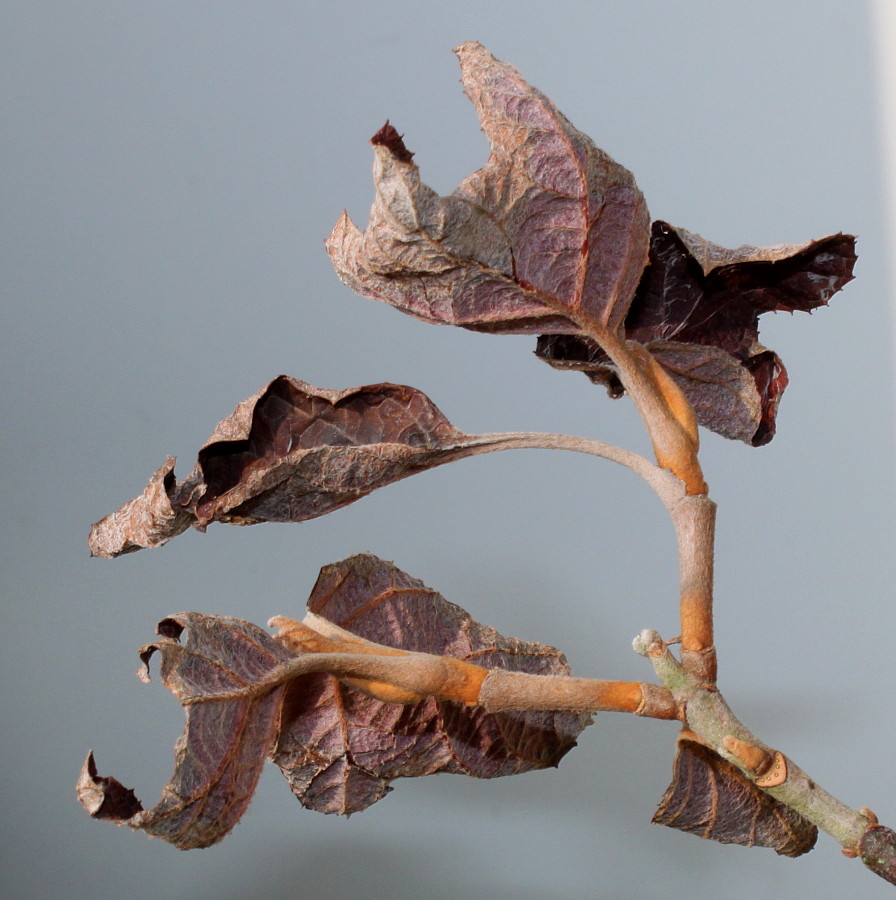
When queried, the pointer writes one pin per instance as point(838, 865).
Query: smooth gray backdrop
point(168, 172)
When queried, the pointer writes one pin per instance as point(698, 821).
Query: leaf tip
point(145, 654)
point(389, 138)
point(105, 798)
point(339, 243)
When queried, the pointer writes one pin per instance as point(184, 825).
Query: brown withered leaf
point(697, 310)
point(290, 452)
point(220, 755)
point(339, 748)
point(105, 798)
point(549, 232)
point(149, 520)
point(713, 799)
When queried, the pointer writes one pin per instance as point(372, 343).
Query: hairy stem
point(663, 482)
point(666, 413)
point(694, 518)
point(706, 713)
point(400, 676)
point(672, 427)
point(503, 690)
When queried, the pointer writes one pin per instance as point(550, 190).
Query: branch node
point(751, 757)
point(870, 816)
point(657, 702)
point(776, 774)
point(702, 665)
point(649, 643)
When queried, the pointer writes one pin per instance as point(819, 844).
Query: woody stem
point(658, 400)
point(710, 718)
point(413, 676)
point(694, 520)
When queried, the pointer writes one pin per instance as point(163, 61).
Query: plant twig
point(666, 485)
point(694, 518)
point(503, 690)
point(401, 676)
point(666, 412)
point(706, 713)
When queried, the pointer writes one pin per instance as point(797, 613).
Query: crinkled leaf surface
point(340, 748)
point(713, 799)
point(550, 232)
point(697, 310)
point(219, 756)
point(289, 453)
point(551, 235)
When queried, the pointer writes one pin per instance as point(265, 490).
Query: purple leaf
point(713, 799)
point(289, 453)
point(550, 232)
point(339, 748)
point(226, 740)
point(697, 310)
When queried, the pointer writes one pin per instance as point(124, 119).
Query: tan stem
point(663, 408)
point(711, 719)
point(664, 483)
point(400, 676)
point(503, 690)
point(391, 675)
point(694, 519)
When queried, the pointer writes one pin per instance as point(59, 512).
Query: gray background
point(168, 173)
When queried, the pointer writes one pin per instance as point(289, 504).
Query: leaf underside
point(697, 310)
point(289, 453)
point(713, 799)
point(550, 232)
point(338, 747)
point(553, 236)
point(220, 755)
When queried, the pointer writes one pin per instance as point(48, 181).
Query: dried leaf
point(713, 799)
point(552, 235)
point(340, 748)
point(289, 453)
point(105, 798)
point(219, 756)
point(697, 309)
point(721, 389)
point(149, 520)
point(551, 231)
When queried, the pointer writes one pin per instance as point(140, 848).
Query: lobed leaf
point(549, 233)
point(290, 452)
point(697, 310)
point(713, 799)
